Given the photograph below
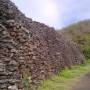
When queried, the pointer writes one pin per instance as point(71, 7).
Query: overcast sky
point(55, 13)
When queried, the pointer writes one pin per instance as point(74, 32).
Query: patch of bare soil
point(83, 84)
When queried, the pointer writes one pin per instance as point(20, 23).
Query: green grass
point(65, 79)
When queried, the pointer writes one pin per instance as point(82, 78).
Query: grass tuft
point(65, 79)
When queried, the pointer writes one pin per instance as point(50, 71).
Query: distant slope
point(79, 33)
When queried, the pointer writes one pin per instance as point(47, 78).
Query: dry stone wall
point(30, 50)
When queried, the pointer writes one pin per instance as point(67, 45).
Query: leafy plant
point(26, 81)
point(84, 42)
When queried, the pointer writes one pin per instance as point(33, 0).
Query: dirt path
point(83, 84)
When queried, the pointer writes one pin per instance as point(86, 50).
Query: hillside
point(79, 33)
point(31, 51)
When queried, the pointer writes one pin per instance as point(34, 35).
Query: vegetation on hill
point(79, 33)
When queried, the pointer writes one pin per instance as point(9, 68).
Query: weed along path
point(83, 84)
point(77, 78)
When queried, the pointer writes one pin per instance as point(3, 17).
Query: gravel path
point(83, 84)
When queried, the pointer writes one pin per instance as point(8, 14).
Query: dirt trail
point(83, 84)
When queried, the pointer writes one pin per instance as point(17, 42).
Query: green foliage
point(84, 41)
point(79, 33)
point(66, 78)
point(26, 82)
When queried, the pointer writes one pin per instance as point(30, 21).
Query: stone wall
point(30, 49)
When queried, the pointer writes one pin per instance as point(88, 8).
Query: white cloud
point(56, 13)
point(46, 11)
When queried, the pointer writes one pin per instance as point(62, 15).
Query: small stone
point(14, 87)
point(13, 34)
point(2, 67)
point(13, 50)
point(13, 62)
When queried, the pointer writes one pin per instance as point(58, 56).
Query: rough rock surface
point(29, 49)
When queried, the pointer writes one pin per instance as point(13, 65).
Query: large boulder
point(31, 51)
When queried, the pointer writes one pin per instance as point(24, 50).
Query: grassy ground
point(65, 79)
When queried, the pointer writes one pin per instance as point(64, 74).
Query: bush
point(84, 42)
